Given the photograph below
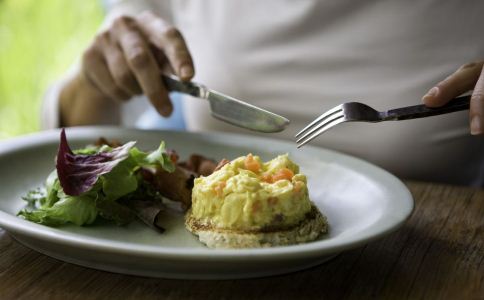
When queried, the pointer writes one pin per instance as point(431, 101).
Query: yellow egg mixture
point(248, 194)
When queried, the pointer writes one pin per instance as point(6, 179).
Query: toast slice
point(310, 228)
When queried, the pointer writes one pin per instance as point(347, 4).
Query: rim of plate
point(388, 222)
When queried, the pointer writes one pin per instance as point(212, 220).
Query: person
point(297, 59)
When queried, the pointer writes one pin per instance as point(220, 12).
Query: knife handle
point(173, 84)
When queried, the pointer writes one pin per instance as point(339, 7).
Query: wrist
point(82, 103)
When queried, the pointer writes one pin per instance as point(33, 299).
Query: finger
point(97, 72)
point(118, 66)
point(477, 106)
point(163, 62)
point(459, 82)
point(143, 64)
point(171, 41)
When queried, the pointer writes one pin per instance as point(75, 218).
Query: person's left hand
point(469, 76)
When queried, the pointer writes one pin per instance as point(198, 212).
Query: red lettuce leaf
point(78, 173)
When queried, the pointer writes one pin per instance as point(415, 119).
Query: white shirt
point(301, 58)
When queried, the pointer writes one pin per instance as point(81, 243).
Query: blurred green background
point(39, 40)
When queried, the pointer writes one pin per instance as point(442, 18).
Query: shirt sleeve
point(50, 114)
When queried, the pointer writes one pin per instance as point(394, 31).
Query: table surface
point(437, 254)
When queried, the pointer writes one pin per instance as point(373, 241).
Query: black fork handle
point(422, 111)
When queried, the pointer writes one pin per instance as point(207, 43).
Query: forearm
point(80, 103)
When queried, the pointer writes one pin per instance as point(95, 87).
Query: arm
point(82, 104)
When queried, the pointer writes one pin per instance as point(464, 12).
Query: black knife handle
point(173, 84)
point(421, 111)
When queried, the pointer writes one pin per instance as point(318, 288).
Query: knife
point(229, 109)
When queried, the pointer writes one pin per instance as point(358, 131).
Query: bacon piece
point(111, 143)
point(174, 157)
point(222, 163)
point(176, 186)
point(199, 164)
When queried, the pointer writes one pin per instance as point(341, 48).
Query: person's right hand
point(127, 59)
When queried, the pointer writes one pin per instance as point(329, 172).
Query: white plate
point(362, 203)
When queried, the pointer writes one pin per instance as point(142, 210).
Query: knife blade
point(229, 109)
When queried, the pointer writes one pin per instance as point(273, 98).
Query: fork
point(359, 112)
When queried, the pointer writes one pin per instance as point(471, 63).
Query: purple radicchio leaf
point(79, 173)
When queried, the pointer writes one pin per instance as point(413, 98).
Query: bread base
point(309, 229)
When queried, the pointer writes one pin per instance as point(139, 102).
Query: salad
point(118, 184)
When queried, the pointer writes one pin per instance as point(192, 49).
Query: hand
point(127, 59)
point(469, 76)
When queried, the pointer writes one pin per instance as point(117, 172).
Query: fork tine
point(329, 118)
point(326, 126)
point(321, 117)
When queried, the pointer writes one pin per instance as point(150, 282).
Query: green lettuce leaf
point(120, 181)
point(52, 186)
point(79, 210)
point(162, 158)
point(35, 196)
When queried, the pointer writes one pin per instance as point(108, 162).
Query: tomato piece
point(283, 173)
point(251, 164)
point(219, 188)
point(266, 177)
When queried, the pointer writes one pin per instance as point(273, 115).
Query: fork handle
point(422, 111)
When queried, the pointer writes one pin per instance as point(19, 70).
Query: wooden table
point(437, 254)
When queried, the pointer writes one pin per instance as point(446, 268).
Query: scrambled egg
point(247, 194)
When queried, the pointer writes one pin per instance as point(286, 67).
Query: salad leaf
point(79, 172)
point(52, 186)
point(152, 160)
point(120, 181)
point(35, 196)
point(112, 210)
point(79, 210)
point(146, 203)
point(162, 158)
point(45, 196)
point(96, 181)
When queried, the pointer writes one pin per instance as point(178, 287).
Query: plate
point(361, 201)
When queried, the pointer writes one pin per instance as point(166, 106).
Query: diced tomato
point(251, 164)
point(219, 188)
point(266, 177)
point(283, 173)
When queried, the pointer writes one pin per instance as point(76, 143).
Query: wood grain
point(437, 254)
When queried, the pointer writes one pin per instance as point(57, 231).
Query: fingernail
point(431, 93)
point(166, 110)
point(186, 71)
point(476, 125)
